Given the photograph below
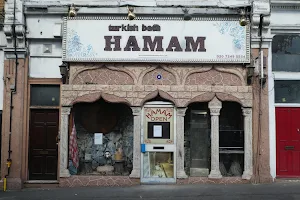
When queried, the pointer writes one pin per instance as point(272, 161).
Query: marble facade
point(181, 87)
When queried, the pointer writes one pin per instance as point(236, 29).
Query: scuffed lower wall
point(120, 137)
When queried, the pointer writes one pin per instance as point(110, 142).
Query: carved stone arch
point(76, 70)
point(238, 71)
point(172, 71)
point(148, 69)
point(90, 98)
point(168, 76)
point(228, 97)
point(214, 77)
point(196, 70)
point(156, 93)
point(206, 97)
point(121, 68)
point(104, 75)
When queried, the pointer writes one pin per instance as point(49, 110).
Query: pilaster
point(215, 106)
point(14, 23)
point(63, 144)
point(248, 167)
point(180, 142)
point(260, 24)
point(136, 171)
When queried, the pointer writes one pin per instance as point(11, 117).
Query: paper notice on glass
point(98, 138)
point(157, 131)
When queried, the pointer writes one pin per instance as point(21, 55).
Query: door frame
point(281, 105)
point(28, 108)
point(159, 104)
point(57, 147)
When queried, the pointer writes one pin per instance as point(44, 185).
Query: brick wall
point(2, 13)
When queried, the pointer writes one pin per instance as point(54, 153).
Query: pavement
point(274, 191)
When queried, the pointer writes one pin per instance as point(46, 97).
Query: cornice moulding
point(285, 29)
point(283, 5)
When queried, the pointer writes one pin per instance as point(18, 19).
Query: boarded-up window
point(286, 53)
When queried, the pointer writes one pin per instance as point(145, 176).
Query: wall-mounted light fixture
point(131, 15)
point(64, 68)
point(243, 18)
point(72, 11)
point(187, 16)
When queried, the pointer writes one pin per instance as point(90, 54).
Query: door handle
point(289, 147)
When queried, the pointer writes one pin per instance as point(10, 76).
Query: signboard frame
point(118, 56)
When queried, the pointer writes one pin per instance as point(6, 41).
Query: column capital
point(247, 111)
point(181, 111)
point(136, 111)
point(215, 111)
point(215, 106)
point(65, 110)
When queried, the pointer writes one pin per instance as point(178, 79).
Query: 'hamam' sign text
point(112, 43)
point(155, 41)
point(149, 43)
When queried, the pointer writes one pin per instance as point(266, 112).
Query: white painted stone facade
point(284, 20)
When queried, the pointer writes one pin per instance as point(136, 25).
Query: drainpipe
point(13, 90)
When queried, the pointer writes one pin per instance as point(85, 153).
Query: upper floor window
point(286, 53)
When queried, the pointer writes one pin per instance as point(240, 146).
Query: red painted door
point(42, 144)
point(288, 142)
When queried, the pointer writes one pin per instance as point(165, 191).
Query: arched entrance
point(158, 142)
point(218, 138)
point(197, 139)
point(231, 139)
point(104, 137)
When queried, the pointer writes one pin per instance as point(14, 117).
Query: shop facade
point(284, 97)
point(111, 101)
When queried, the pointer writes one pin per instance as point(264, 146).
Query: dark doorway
point(197, 140)
point(43, 144)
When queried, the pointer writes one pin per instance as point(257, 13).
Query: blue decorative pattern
point(76, 49)
point(233, 29)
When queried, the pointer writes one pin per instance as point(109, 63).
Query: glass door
point(158, 159)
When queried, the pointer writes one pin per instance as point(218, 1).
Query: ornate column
point(63, 143)
point(180, 142)
point(136, 171)
point(215, 106)
point(248, 167)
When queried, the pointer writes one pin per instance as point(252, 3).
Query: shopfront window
point(287, 91)
point(158, 165)
point(286, 53)
point(104, 137)
point(231, 140)
point(44, 95)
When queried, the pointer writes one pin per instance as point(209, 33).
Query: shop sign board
point(168, 40)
